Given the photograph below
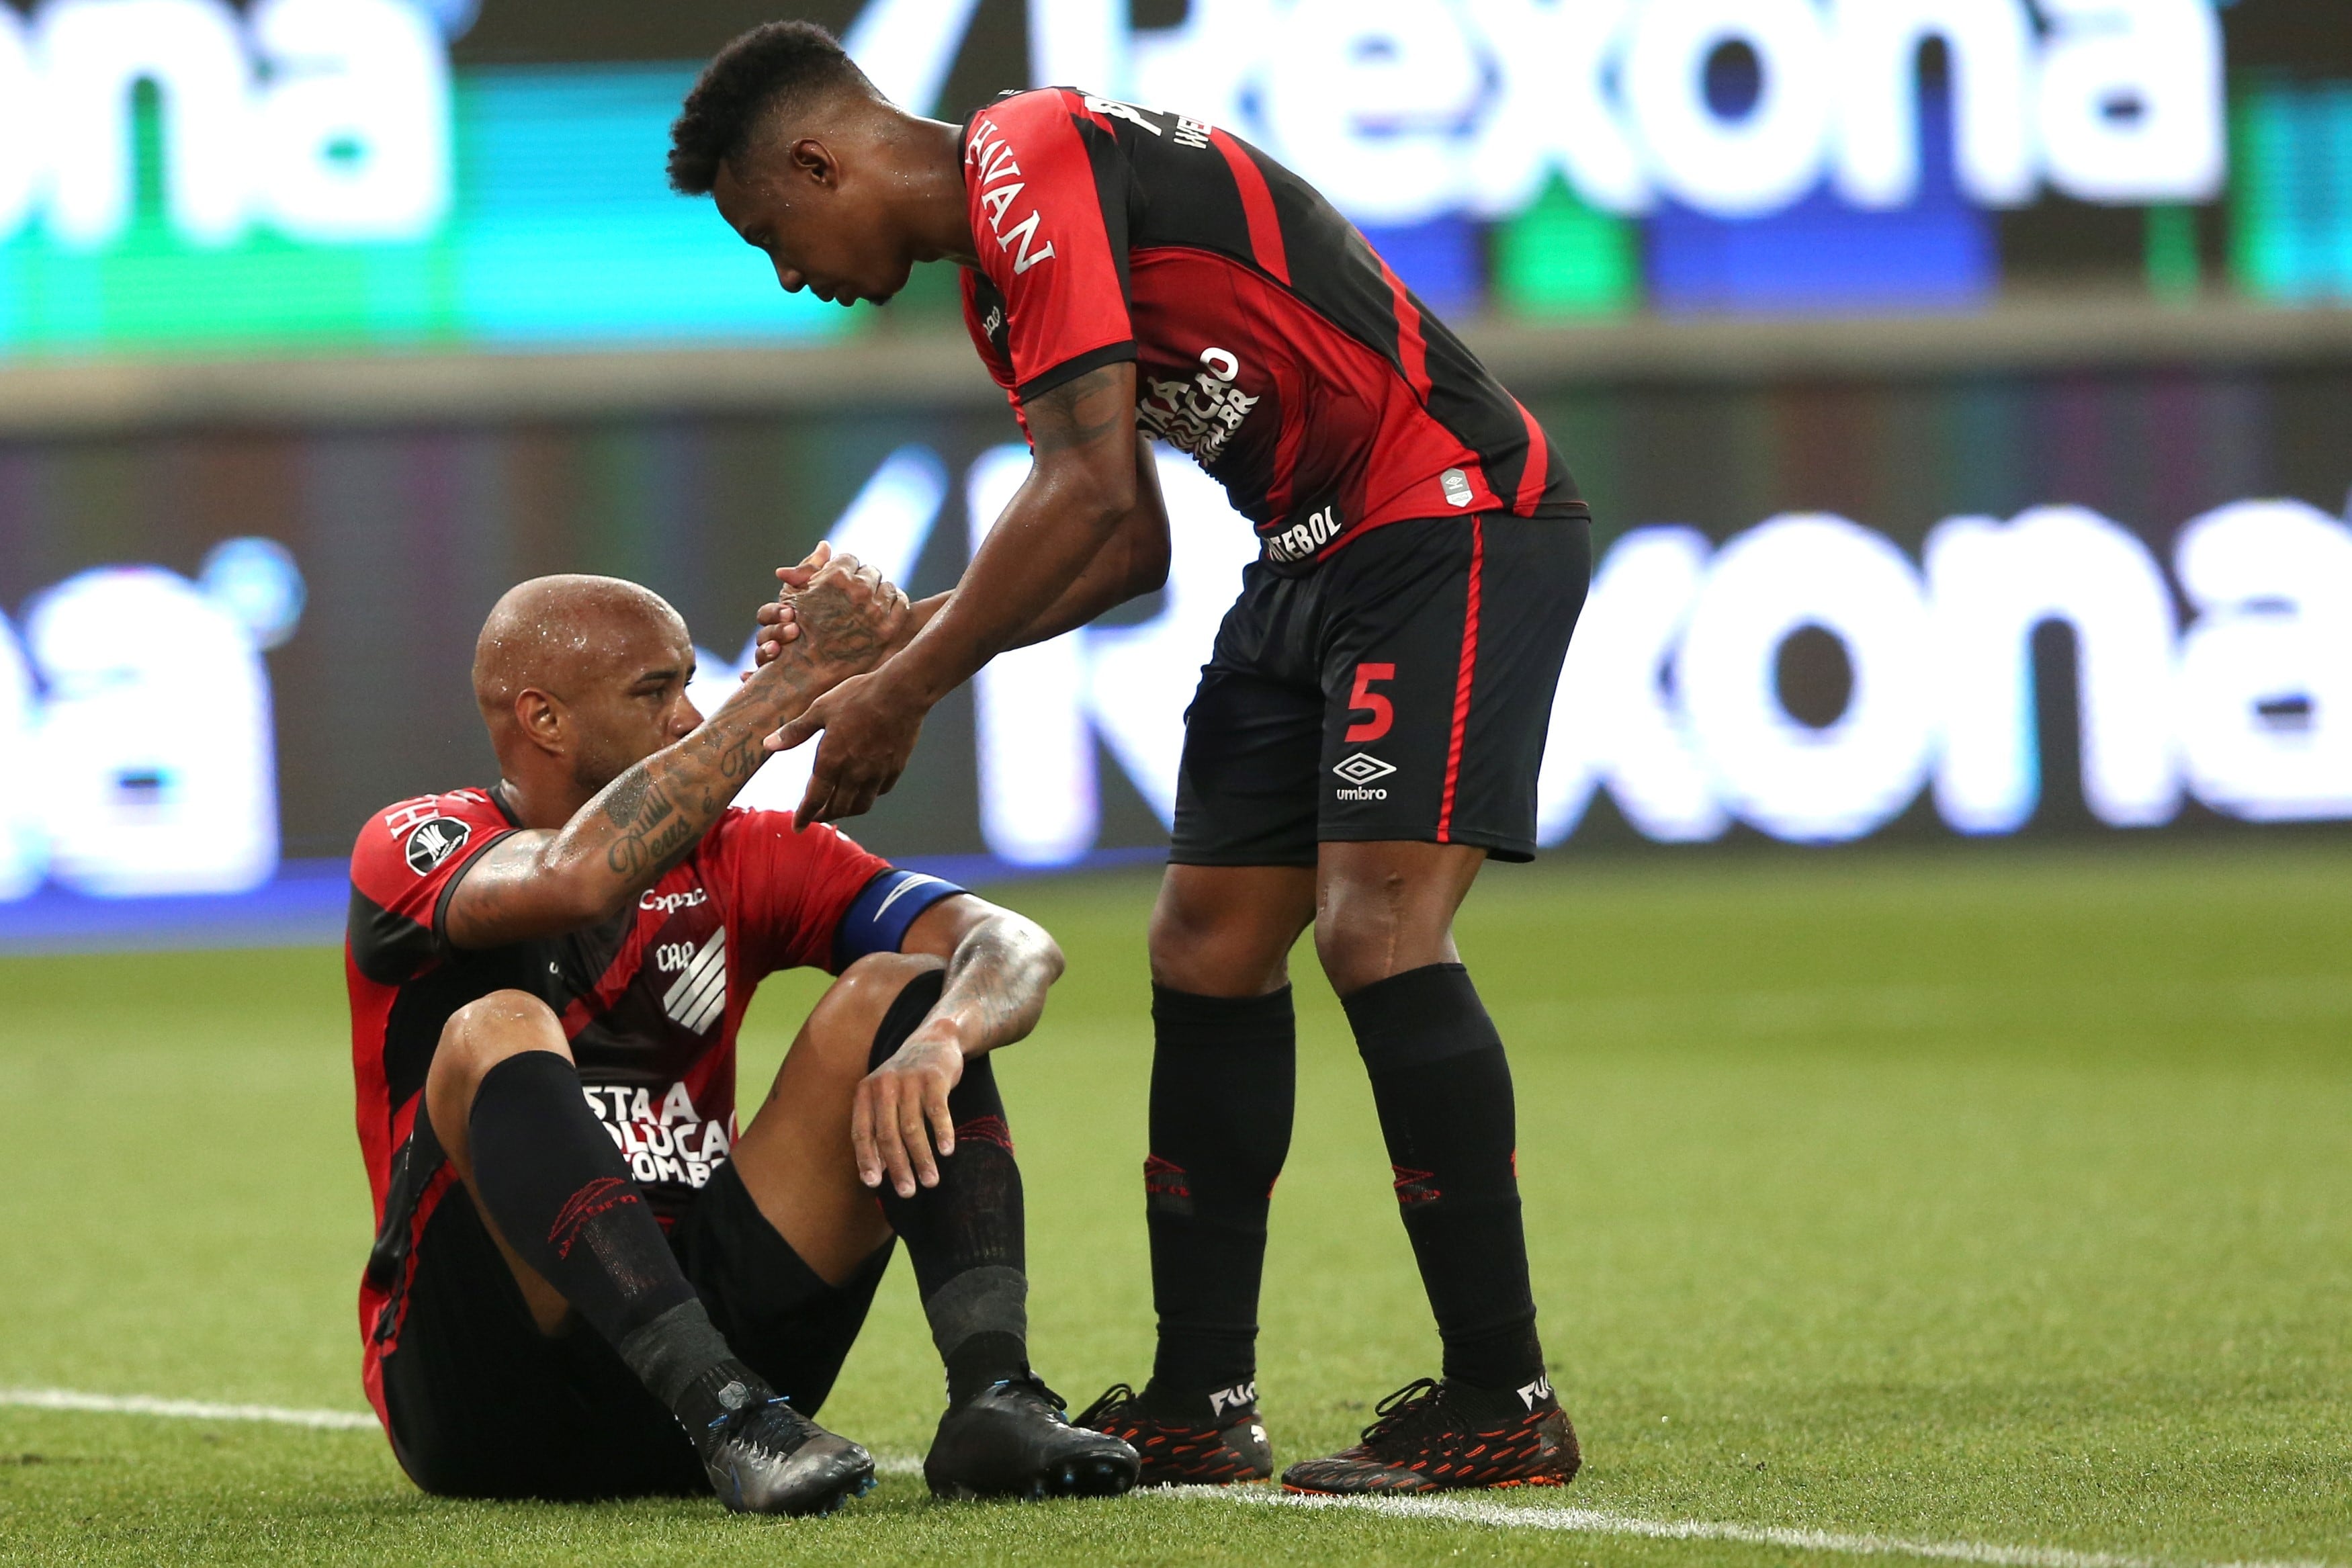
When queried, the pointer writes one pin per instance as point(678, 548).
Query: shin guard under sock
point(561, 1195)
point(1224, 1089)
point(1444, 1090)
point(964, 1236)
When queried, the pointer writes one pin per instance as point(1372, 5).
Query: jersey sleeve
point(1045, 181)
point(788, 892)
point(405, 863)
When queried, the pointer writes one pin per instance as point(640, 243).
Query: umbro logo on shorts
point(1360, 769)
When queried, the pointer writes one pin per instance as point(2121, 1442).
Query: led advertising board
point(1978, 607)
point(190, 176)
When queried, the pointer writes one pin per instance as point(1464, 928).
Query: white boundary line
point(1443, 1511)
point(1595, 1522)
point(184, 1409)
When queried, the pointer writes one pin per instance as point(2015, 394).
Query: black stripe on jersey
point(1201, 211)
point(1069, 370)
point(1108, 160)
point(1331, 268)
point(1468, 402)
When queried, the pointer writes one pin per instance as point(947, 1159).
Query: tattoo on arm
point(652, 816)
point(997, 980)
point(1081, 411)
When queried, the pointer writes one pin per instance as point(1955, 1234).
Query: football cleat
point(1432, 1437)
point(1177, 1452)
point(765, 1457)
point(1010, 1440)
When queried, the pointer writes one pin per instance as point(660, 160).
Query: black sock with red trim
point(561, 1195)
point(1224, 1086)
point(964, 1236)
point(1444, 1090)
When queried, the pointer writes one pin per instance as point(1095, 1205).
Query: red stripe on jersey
point(1461, 683)
point(1257, 206)
point(1538, 468)
point(1412, 354)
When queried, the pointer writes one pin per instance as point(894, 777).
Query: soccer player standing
point(1366, 733)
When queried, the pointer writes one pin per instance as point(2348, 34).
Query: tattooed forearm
point(997, 981)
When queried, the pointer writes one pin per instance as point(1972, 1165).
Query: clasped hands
point(870, 728)
point(852, 611)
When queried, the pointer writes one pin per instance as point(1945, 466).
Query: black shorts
point(1401, 692)
point(483, 1405)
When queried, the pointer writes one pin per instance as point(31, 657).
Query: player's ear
point(813, 161)
point(541, 719)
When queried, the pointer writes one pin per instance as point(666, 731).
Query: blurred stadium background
point(1962, 388)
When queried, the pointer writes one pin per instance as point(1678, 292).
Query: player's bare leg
point(1223, 1087)
point(795, 1158)
point(1384, 929)
point(1003, 1434)
point(504, 1098)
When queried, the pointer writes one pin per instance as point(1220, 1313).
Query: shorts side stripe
point(1462, 682)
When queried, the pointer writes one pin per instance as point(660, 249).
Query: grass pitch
point(1988, 1196)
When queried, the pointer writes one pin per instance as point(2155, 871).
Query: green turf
point(1999, 1196)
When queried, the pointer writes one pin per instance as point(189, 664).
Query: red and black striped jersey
point(650, 1000)
point(1271, 341)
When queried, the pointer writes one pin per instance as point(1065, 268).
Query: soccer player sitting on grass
point(1367, 731)
point(587, 1280)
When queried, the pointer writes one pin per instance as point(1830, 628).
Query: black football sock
point(1444, 1090)
point(561, 1193)
point(1223, 1087)
point(964, 1236)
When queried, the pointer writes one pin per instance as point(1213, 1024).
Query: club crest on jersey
point(433, 840)
point(697, 998)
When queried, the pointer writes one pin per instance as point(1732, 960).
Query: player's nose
point(789, 278)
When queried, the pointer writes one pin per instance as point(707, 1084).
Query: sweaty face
point(822, 228)
point(629, 699)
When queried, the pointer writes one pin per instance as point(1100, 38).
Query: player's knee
point(1369, 929)
point(488, 1029)
point(1215, 946)
point(847, 1016)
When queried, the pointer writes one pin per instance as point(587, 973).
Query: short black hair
point(772, 63)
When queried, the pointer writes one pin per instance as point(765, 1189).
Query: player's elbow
point(1147, 555)
point(571, 895)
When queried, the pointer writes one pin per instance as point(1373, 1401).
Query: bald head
point(558, 634)
point(581, 677)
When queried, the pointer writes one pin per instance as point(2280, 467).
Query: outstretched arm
point(999, 967)
point(1131, 563)
point(539, 882)
point(1080, 491)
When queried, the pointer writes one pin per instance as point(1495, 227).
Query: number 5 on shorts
point(1363, 698)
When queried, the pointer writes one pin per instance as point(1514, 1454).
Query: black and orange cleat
point(1433, 1436)
point(1221, 1441)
